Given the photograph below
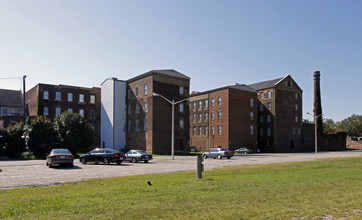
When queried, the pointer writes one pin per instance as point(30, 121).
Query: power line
point(19, 77)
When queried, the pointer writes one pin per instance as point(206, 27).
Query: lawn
point(303, 190)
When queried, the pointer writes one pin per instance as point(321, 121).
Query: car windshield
point(60, 151)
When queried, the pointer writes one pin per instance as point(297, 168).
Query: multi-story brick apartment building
point(145, 118)
point(279, 115)
point(11, 107)
point(52, 100)
point(224, 117)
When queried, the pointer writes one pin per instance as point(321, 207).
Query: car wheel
point(146, 161)
point(50, 165)
point(228, 157)
point(106, 161)
point(134, 160)
point(205, 156)
point(47, 164)
point(83, 161)
point(119, 162)
point(219, 156)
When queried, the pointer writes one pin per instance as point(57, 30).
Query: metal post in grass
point(200, 167)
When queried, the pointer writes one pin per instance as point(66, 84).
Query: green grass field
point(303, 190)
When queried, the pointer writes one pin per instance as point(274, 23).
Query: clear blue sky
point(216, 43)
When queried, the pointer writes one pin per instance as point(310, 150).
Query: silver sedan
point(138, 155)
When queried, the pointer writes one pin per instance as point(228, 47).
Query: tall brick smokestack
point(317, 102)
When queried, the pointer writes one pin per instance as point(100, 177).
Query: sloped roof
point(236, 86)
point(11, 98)
point(169, 72)
point(265, 84)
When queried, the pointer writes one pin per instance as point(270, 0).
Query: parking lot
point(15, 174)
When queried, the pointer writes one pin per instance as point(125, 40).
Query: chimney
point(317, 102)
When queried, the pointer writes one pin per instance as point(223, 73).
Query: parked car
point(138, 155)
point(103, 155)
point(218, 153)
point(59, 157)
point(242, 150)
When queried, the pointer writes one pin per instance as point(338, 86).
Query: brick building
point(11, 107)
point(224, 117)
point(147, 118)
point(279, 115)
point(52, 100)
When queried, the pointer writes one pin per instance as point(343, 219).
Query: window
point(58, 111)
point(261, 133)
point(261, 95)
point(46, 111)
point(268, 132)
point(181, 90)
point(194, 130)
point(92, 113)
point(70, 97)
point(296, 95)
point(206, 103)
point(261, 107)
point(293, 130)
point(145, 107)
point(212, 130)
point(58, 96)
point(129, 125)
point(181, 107)
point(200, 116)
point(145, 89)
point(136, 92)
point(261, 119)
point(251, 102)
point(212, 115)
point(269, 118)
point(296, 119)
point(200, 130)
point(145, 125)
point(81, 112)
point(206, 116)
point(81, 97)
point(299, 131)
point(137, 125)
point(206, 130)
point(251, 130)
point(129, 93)
point(181, 123)
point(200, 104)
point(219, 129)
point(92, 99)
point(137, 108)
point(70, 110)
point(194, 105)
point(212, 102)
point(269, 94)
point(251, 116)
point(219, 115)
point(296, 107)
point(269, 105)
point(129, 110)
point(194, 117)
point(46, 95)
point(219, 101)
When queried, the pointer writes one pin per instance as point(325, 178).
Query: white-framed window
point(181, 90)
point(212, 130)
point(269, 105)
point(92, 99)
point(268, 132)
point(58, 96)
point(261, 95)
point(145, 125)
point(194, 117)
point(137, 125)
point(200, 116)
point(219, 129)
point(81, 98)
point(251, 116)
point(46, 111)
point(212, 102)
point(296, 107)
point(251, 102)
point(251, 130)
point(136, 92)
point(261, 108)
point(261, 119)
point(269, 94)
point(268, 118)
point(181, 123)
point(137, 108)
point(194, 131)
point(129, 127)
point(261, 133)
point(206, 130)
point(219, 100)
point(219, 114)
point(194, 104)
point(181, 107)
point(206, 103)
point(200, 130)
point(145, 89)
point(69, 110)
point(58, 111)
point(145, 107)
point(129, 110)
point(81, 112)
point(46, 95)
point(92, 113)
point(212, 115)
point(200, 104)
point(70, 97)
point(206, 116)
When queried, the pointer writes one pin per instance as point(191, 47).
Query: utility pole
point(24, 76)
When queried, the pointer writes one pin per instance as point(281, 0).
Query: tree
point(329, 126)
point(306, 121)
point(14, 143)
point(40, 135)
point(352, 125)
point(74, 132)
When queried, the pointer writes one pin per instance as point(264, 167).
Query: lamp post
point(173, 103)
point(315, 130)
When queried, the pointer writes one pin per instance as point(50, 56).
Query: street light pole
point(173, 103)
point(315, 131)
